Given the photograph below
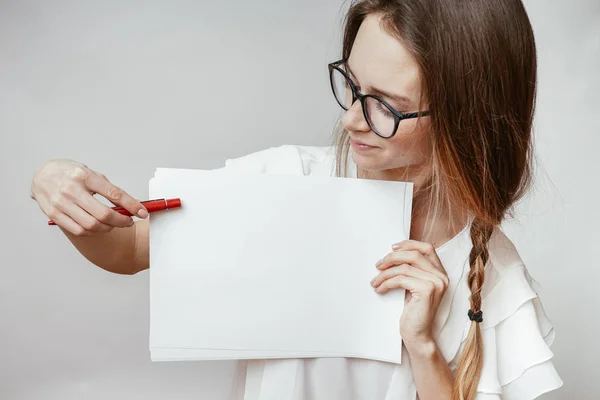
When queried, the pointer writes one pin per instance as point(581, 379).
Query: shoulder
point(517, 333)
point(504, 258)
point(508, 284)
point(286, 159)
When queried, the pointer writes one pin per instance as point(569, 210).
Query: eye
point(384, 111)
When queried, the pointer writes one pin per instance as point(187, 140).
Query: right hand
point(64, 190)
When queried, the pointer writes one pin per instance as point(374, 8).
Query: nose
point(354, 119)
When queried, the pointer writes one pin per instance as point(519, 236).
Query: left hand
point(416, 267)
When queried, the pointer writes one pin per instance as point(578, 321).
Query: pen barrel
point(150, 205)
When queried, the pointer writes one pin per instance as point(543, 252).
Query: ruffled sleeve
point(285, 160)
point(517, 334)
point(517, 357)
point(274, 160)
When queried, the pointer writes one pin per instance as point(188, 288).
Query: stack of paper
point(273, 266)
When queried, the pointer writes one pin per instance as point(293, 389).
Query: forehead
point(381, 60)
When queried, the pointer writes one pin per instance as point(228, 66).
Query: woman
point(437, 92)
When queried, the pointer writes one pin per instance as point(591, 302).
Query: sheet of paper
point(171, 354)
point(263, 266)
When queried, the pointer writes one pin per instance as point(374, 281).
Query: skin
point(64, 191)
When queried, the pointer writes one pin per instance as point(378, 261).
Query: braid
point(478, 258)
point(471, 361)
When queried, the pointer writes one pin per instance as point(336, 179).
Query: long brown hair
point(477, 61)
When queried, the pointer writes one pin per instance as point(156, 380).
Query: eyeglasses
point(383, 119)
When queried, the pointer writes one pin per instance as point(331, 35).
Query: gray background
point(128, 86)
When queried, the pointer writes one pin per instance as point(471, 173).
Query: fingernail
point(396, 246)
point(131, 223)
point(142, 213)
point(379, 263)
point(373, 281)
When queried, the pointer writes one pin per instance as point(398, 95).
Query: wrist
point(421, 348)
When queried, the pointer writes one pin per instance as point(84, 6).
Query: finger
point(82, 218)
point(67, 224)
point(101, 212)
point(99, 184)
point(412, 257)
point(406, 270)
point(427, 249)
point(409, 283)
point(433, 285)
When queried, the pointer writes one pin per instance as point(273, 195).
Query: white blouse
point(517, 334)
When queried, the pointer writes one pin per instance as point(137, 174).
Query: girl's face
point(379, 63)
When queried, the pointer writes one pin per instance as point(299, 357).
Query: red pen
point(151, 206)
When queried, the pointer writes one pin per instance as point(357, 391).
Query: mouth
point(358, 145)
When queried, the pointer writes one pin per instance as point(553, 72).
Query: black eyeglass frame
point(357, 95)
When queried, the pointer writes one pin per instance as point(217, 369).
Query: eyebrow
point(402, 100)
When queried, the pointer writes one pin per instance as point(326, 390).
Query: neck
point(435, 229)
point(448, 222)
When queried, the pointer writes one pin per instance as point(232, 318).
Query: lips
point(359, 143)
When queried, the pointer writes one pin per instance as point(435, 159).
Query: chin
point(366, 163)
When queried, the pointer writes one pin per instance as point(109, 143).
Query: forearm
point(122, 250)
point(432, 376)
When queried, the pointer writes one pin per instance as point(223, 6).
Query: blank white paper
point(264, 266)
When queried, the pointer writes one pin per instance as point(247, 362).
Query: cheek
point(411, 141)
